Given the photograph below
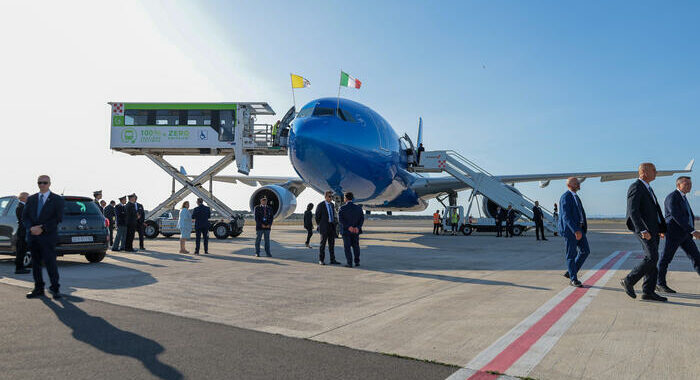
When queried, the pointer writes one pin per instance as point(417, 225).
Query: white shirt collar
point(645, 183)
point(682, 193)
point(573, 193)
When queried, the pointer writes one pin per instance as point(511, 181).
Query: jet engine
point(282, 201)
point(489, 207)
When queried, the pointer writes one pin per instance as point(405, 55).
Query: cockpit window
point(323, 111)
point(306, 111)
point(345, 115)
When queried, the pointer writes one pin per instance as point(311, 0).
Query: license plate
point(81, 239)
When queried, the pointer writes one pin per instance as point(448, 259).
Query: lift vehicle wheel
point(151, 229)
point(517, 230)
point(221, 231)
point(467, 230)
point(236, 232)
point(95, 257)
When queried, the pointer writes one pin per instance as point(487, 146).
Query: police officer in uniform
point(98, 197)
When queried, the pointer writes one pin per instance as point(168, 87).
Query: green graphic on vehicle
point(129, 135)
point(82, 206)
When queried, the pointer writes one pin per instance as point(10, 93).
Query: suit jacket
point(643, 211)
point(141, 215)
point(351, 215)
point(308, 220)
point(322, 220)
point(120, 214)
point(501, 216)
point(678, 219)
point(21, 230)
point(263, 215)
point(510, 216)
point(537, 214)
point(131, 214)
point(109, 213)
point(201, 215)
point(102, 210)
point(51, 215)
point(570, 219)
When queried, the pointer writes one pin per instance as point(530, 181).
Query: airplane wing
point(604, 176)
point(294, 184)
point(427, 187)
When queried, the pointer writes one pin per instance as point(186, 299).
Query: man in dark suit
point(41, 216)
point(499, 221)
point(120, 221)
point(644, 217)
point(351, 218)
point(21, 242)
point(537, 217)
point(680, 221)
point(110, 215)
point(201, 215)
point(573, 226)
point(263, 224)
point(132, 218)
point(140, 222)
point(326, 220)
point(510, 220)
point(98, 197)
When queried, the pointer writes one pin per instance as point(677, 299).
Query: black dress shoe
point(629, 289)
point(357, 264)
point(36, 293)
point(268, 255)
point(321, 262)
point(22, 271)
point(664, 289)
point(544, 239)
point(56, 295)
point(654, 297)
point(257, 255)
point(566, 274)
point(576, 283)
point(348, 265)
point(335, 262)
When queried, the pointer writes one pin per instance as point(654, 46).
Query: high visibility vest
point(455, 218)
point(274, 129)
point(436, 218)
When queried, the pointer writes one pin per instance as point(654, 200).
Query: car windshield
point(80, 207)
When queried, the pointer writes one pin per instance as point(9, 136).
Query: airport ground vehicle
point(166, 225)
point(489, 225)
point(83, 230)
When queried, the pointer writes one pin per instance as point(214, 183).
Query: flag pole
point(293, 97)
point(338, 104)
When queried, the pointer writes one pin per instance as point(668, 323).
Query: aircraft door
point(226, 125)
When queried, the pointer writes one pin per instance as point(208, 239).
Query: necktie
point(330, 213)
point(41, 205)
point(653, 196)
point(580, 208)
point(690, 212)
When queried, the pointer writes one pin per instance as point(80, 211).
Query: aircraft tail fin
point(689, 167)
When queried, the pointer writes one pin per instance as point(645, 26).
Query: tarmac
point(489, 305)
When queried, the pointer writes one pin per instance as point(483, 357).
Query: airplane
point(343, 146)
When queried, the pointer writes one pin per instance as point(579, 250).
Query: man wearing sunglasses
point(42, 214)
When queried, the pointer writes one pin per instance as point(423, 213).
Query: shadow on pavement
point(104, 336)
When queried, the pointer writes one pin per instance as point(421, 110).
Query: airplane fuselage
point(353, 149)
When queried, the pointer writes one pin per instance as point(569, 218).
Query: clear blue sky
point(518, 87)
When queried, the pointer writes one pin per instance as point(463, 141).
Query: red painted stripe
point(522, 344)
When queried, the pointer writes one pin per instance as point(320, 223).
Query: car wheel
point(517, 230)
point(151, 229)
point(95, 257)
point(221, 231)
point(27, 262)
point(467, 230)
point(168, 235)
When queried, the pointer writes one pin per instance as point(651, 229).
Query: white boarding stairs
point(481, 182)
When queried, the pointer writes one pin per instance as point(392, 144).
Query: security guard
point(98, 197)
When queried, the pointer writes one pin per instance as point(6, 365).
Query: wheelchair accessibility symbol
point(203, 135)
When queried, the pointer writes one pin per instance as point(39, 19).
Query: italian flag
point(348, 81)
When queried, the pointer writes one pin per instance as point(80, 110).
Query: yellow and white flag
point(299, 82)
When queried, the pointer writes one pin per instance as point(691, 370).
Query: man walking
point(680, 221)
point(140, 222)
point(326, 221)
point(510, 220)
point(120, 221)
point(21, 242)
point(110, 215)
point(131, 209)
point(499, 221)
point(41, 216)
point(644, 217)
point(351, 218)
point(573, 226)
point(201, 215)
point(539, 223)
point(263, 224)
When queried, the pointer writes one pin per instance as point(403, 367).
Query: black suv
point(82, 231)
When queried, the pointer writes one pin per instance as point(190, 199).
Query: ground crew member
point(436, 223)
point(275, 129)
point(455, 221)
